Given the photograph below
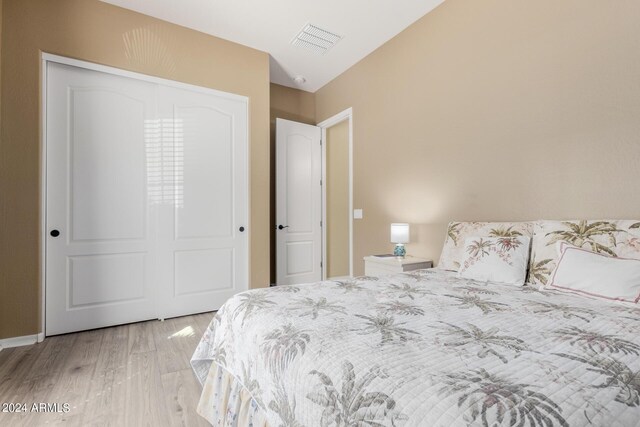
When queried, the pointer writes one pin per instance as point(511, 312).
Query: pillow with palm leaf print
point(496, 259)
point(615, 238)
point(453, 251)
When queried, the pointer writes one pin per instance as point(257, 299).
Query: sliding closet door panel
point(100, 265)
point(206, 260)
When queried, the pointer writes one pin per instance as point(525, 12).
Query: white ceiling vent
point(316, 39)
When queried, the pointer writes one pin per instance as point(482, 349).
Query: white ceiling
point(271, 25)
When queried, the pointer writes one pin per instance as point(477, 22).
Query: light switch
point(357, 214)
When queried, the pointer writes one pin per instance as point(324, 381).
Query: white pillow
point(496, 259)
point(582, 271)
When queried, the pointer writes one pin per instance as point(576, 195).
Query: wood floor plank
point(145, 402)
point(187, 335)
point(185, 339)
point(21, 378)
point(79, 368)
point(17, 366)
point(5, 355)
point(108, 377)
point(73, 384)
point(203, 320)
point(170, 356)
point(181, 390)
point(50, 362)
point(105, 403)
point(9, 360)
point(141, 337)
point(45, 371)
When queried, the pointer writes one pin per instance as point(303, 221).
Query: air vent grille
point(316, 39)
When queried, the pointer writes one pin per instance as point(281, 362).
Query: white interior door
point(298, 203)
point(146, 195)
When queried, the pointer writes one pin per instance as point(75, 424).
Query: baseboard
point(21, 341)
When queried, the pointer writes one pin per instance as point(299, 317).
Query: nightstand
point(377, 266)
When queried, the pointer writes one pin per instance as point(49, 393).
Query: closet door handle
point(54, 233)
point(282, 227)
point(241, 229)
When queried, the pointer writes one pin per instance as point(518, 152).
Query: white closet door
point(101, 265)
point(204, 252)
point(146, 199)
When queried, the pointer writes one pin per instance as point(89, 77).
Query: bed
point(425, 348)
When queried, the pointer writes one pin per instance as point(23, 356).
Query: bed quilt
point(428, 349)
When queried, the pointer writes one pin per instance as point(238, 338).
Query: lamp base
point(399, 251)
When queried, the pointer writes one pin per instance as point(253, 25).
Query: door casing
point(332, 121)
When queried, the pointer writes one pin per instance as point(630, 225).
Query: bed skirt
point(225, 402)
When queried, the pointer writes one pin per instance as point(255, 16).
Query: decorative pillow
point(496, 259)
point(453, 250)
point(616, 238)
point(585, 272)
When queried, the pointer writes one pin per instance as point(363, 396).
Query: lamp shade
point(399, 233)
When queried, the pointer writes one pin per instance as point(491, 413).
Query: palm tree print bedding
point(616, 238)
point(453, 252)
point(425, 349)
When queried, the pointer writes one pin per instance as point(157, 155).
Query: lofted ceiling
point(270, 26)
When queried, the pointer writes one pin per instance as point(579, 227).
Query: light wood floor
point(130, 375)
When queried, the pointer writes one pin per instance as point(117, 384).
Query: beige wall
point(289, 104)
point(494, 110)
point(337, 188)
point(98, 32)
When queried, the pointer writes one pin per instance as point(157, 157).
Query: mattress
point(419, 349)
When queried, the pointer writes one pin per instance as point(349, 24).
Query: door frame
point(46, 58)
point(324, 125)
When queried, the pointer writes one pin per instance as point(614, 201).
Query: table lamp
point(399, 236)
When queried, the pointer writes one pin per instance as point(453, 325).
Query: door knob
point(55, 233)
point(241, 229)
point(282, 227)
